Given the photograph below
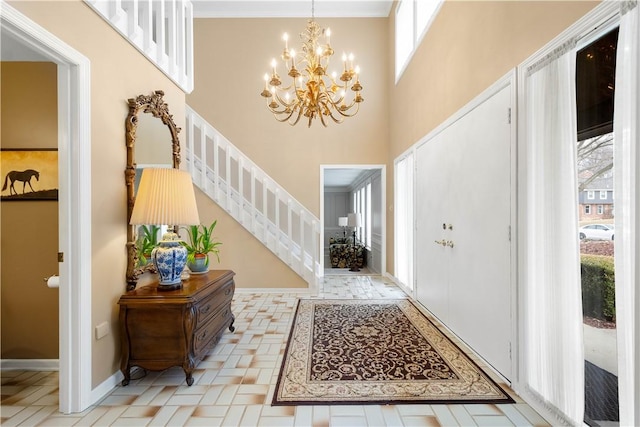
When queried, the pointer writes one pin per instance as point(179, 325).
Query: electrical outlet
point(101, 330)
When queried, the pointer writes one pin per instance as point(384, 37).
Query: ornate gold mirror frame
point(154, 105)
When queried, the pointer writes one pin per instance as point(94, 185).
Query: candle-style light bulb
point(273, 65)
point(328, 36)
point(266, 80)
point(285, 37)
point(351, 61)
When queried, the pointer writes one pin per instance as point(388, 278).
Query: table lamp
point(343, 222)
point(166, 197)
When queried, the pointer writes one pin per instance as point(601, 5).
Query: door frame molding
point(74, 204)
point(383, 203)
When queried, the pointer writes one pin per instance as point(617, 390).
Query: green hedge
point(598, 287)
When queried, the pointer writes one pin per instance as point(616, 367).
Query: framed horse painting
point(29, 174)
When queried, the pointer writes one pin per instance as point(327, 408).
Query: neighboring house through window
point(587, 209)
point(603, 194)
point(591, 194)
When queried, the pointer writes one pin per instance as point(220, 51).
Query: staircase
point(253, 198)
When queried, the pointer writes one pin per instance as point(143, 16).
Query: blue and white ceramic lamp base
point(169, 258)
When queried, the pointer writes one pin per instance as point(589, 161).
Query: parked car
point(597, 232)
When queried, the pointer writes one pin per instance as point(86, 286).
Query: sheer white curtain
point(627, 209)
point(554, 361)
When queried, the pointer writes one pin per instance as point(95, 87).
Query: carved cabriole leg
point(124, 342)
point(189, 363)
point(233, 319)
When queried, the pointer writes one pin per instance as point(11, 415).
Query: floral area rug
point(375, 352)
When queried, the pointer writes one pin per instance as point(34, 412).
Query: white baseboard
point(272, 290)
point(30, 364)
point(98, 393)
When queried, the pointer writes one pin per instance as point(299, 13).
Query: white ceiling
point(291, 8)
point(343, 177)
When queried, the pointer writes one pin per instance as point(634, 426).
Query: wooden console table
point(161, 329)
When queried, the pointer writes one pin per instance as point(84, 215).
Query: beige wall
point(29, 228)
point(231, 58)
point(118, 72)
point(470, 45)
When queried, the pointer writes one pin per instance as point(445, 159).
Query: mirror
point(146, 123)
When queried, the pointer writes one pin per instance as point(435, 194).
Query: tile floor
point(234, 384)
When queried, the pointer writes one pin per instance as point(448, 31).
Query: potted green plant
point(201, 244)
point(147, 240)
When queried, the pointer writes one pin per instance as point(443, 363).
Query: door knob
point(52, 281)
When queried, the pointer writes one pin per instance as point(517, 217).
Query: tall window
point(367, 216)
point(595, 91)
point(403, 220)
point(413, 18)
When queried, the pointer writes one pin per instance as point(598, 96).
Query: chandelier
point(312, 93)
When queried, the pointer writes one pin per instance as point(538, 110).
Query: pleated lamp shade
point(165, 197)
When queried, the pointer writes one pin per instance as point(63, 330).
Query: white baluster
point(253, 209)
point(216, 169)
point(301, 241)
point(265, 214)
point(203, 156)
point(241, 190)
point(228, 175)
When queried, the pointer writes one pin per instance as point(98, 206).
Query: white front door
point(464, 198)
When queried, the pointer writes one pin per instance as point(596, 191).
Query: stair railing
point(161, 30)
point(253, 198)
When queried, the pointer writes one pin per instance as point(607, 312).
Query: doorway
point(74, 201)
point(359, 189)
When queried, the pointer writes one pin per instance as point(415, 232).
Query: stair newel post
point(314, 248)
point(301, 242)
